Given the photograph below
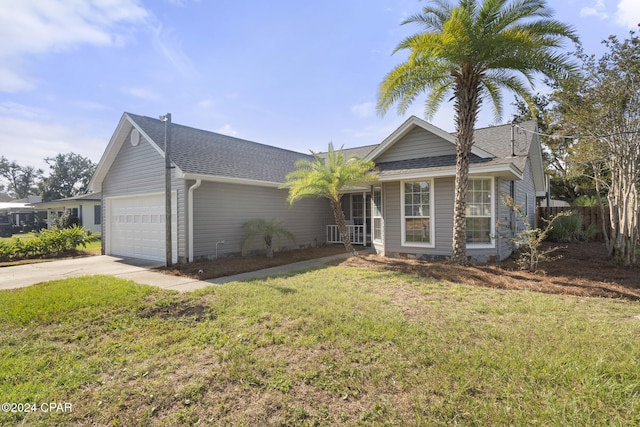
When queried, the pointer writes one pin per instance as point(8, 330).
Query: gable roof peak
point(411, 123)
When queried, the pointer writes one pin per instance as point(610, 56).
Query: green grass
point(334, 346)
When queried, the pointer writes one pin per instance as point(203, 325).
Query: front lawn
point(334, 346)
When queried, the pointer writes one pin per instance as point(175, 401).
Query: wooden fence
point(590, 215)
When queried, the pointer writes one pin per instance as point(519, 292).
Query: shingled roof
point(201, 152)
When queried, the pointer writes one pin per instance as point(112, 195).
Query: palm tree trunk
point(467, 104)
point(338, 215)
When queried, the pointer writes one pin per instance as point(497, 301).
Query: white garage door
point(136, 227)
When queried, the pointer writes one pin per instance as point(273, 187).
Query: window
point(97, 214)
point(376, 214)
point(416, 212)
point(480, 211)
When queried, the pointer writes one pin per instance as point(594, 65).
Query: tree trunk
point(338, 215)
point(623, 199)
point(467, 104)
point(605, 227)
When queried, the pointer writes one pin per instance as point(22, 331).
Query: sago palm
point(265, 230)
point(470, 52)
point(329, 178)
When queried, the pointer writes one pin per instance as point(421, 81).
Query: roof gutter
point(231, 180)
point(193, 188)
point(509, 171)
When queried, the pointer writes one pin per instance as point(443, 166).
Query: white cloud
point(366, 109)
point(181, 2)
point(13, 81)
point(167, 43)
point(143, 93)
point(227, 130)
point(205, 103)
point(29, 140)
point(628, 13)
point(33, 27)
point(598, 10)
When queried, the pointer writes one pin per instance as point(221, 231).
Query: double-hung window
point(480, 211)
point(417, 213)
point(376, 213)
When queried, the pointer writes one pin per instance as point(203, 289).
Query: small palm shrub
point(586, 201)
point(265, 230)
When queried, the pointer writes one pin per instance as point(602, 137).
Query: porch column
point(365, 218)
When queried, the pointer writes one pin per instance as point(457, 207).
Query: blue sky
point(293, 74)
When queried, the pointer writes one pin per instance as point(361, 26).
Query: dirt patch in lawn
point(583, 270)
point(211, 269)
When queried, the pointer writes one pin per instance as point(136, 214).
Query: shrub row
point(51, 242)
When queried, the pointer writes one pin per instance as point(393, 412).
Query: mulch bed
point(228, 266)
point(583, 270)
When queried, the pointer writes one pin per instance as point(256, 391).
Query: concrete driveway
point(137, 270)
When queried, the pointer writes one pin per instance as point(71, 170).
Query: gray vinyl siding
point(391, 205)
point(179, 186)
point(140, 170)
point(504, 217)
point(220, 209)
point(418, 143)
point(444, 215)
point(510, 223)
point(135, 170)
point(526, 193)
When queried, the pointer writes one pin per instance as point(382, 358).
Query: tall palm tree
point(473, 50)
point(329, 178)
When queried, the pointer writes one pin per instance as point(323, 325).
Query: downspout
point(190, 207)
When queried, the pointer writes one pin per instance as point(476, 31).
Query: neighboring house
point(220, 182)
point(85, 210)
point(21, 213)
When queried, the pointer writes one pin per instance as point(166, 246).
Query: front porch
point(357, 234)
point(357, 212)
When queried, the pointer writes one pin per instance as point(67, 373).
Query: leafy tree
point(473, 50)
point(557, 149)
point(603, 106)
point(267, 231)
point(70, 176)
point(329, 178)
point(21, 180)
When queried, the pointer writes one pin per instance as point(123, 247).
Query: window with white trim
point(417, 213)
point(376, 213)
point(480, 211)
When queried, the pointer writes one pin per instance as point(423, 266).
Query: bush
point(528, 241)
point(570, 228)
point(51, 242)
